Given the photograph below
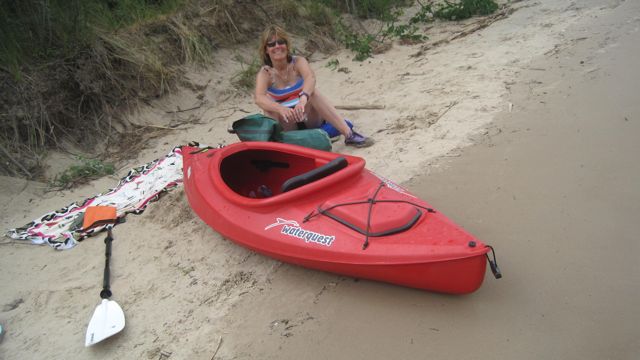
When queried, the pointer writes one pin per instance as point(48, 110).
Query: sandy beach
point(524, 132)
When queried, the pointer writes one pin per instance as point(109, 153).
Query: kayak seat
point(313, 175)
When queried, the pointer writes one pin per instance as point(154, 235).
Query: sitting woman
point(285, 90)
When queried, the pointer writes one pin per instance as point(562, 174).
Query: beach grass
point(75, 66)
point(84, 171)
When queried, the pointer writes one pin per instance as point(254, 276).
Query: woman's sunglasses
point(279, 42)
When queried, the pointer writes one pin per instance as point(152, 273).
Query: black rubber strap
point(367, 231)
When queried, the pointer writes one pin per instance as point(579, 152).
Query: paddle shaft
point(106, 289)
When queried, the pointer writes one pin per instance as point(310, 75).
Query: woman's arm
point(303, 68)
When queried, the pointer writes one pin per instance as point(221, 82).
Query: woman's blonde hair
point(267, 34)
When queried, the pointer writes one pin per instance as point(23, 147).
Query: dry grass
point(74, 92)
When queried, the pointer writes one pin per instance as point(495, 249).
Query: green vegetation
point(405, 32)
point(363, 44)
point(246, 78)
point(465, 9)
point(367, 9)
point(37, 30)
point(460, 10)
point(319, 14)
point(73, 67)
point(88, 169)
point(333, 64)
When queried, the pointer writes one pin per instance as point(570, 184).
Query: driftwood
point(217, 348)
point(360, 107)
point(446, 110)
point(183, 110)
point(471, 28)
point(158, 127)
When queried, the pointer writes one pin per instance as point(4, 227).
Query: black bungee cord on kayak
point(493, 264)
point(371, 201)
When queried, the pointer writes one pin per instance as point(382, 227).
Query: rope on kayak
point(371, 201)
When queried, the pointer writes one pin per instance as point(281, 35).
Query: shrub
point(465, 9)
point(87, 170)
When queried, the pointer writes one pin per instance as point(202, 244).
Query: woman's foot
point(332, 131)
point(358, 140)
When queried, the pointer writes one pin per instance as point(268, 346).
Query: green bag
point(311, 138)
point(258, 127)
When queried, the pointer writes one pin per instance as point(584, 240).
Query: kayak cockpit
point(258, 173)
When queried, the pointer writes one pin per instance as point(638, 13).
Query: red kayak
point(325, 211)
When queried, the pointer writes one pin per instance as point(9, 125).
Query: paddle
point(108, 317)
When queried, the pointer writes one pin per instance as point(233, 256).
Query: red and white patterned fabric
point(62, 229)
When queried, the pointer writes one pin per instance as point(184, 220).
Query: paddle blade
point(107, 320)
point(99, 215)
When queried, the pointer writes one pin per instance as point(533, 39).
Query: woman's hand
point(290, 115)
point(299, 109)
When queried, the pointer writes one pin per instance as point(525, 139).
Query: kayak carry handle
point(493, 264)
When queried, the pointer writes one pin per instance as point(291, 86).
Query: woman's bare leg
point(319, 108)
